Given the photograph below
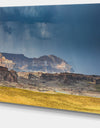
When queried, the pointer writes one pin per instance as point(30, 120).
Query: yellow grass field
point(58, 100)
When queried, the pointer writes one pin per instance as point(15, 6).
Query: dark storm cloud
point(7, 28)
point(27, 14)
point(54, 14)
point(71, 32)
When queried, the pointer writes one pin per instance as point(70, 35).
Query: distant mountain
point(51, 63)
point(47, 63)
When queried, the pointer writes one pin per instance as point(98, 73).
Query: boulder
point(6, 75)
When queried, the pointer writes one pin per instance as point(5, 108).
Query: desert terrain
point(60, 90)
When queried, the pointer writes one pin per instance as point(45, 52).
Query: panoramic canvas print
point(50, 56)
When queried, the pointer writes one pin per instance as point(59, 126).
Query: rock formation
point(6, 75)
point(47, 63)
point(6, 63)
point(66, 78)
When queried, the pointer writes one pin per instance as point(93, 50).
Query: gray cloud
point(28, 14)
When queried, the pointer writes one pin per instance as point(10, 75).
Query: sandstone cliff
point(47, 63)
point(6, 62)
point(6, 75)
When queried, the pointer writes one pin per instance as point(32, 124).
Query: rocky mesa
point(47, 63)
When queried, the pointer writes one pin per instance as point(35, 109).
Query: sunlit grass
point(58, 100)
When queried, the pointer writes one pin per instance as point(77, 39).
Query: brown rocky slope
point(6, 75)
point(70, 83)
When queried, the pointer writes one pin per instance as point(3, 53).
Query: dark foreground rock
point(66, 78)
point(98, 81)
point(6, 75)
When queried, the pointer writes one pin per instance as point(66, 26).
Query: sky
point(71, 32)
